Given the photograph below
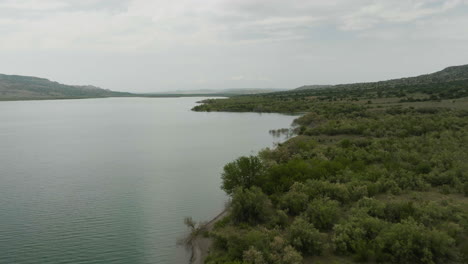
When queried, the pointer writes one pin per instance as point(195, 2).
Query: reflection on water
point(282, 133)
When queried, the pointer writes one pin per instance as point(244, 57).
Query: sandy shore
point(201, 245)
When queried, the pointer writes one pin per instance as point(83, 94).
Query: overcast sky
point(159, 45)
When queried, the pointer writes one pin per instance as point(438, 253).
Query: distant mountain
point(454, 73)
point(234, 91)
point(14, 87)
point(250, 91)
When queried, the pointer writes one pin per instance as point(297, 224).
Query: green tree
point(253, 256)
point(243, 172)
point(323, 213)
point(295, 201)
point(250, 206)
point(357, 236)
point(305, 237)
point(410, 242)
point(290, 256)
point(280, 252)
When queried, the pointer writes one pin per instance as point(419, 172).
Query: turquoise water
point(111, 180)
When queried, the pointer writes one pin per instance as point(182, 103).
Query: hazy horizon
point(159, 46)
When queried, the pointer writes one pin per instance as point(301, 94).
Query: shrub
point(235, 242)
point(323, 213)
point(283, 253)
point(250, 206)
point(356, 236)
point(253, 256)
point(295, 201)
point(335, 191)
point(305, 237)
point(410, 242)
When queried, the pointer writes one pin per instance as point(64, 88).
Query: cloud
point(395, 12)
point(237, 78)
point(172, 43)
point(246, 78)
point(32, 5)
point(150, 25)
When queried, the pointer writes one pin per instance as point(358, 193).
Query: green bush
point(250, 206)
point(235, 242)
point(305, 237)
point(335, 191)
point(410, 242)
point(357, 235)
point(323, 213)
point(283, 253)
point(295, 201)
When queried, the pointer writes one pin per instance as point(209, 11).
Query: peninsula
point(377, 172)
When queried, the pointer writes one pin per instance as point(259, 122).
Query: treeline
point(357, 184)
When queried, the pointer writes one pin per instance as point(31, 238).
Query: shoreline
point(201, 245)
point(126, 96)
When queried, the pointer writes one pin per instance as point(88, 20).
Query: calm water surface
point(110, 180)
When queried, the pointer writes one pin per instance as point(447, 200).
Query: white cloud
point(36, 5)
point(237, 78)
point(148, 25)
point(162, 40)
point(391, 12)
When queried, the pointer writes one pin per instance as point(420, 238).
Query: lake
point(111, 180)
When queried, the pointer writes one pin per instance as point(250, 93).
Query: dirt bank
point(201, 245)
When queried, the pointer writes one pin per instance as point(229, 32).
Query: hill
point(14, 87)
point(211, 92)
point(443, 86)
point(453, 73)
point(449, 74)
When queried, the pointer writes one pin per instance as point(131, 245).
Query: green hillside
point(445, 88)
point(14, 87)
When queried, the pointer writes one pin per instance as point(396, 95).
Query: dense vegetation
point(361, 182)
